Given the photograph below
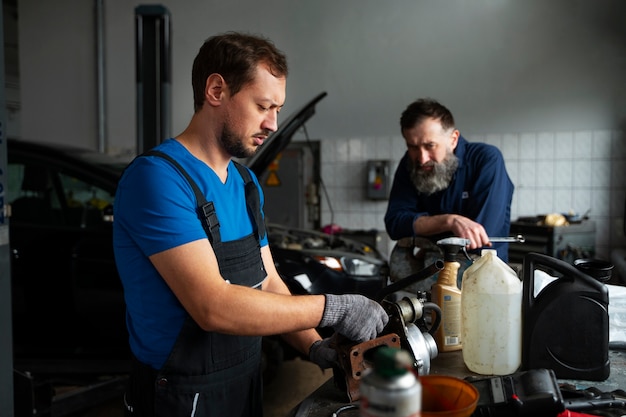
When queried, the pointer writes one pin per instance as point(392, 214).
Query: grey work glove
point(354, 316)
point(321, 354)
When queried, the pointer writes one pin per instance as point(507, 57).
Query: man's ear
point(454, 139)
point(214, 89)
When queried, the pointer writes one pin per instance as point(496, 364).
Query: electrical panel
point(377, 187)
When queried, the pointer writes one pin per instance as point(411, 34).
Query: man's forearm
point(432, 225)
point(302, 340)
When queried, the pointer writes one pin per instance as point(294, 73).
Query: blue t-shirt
point(155, 210)
point(480, 190)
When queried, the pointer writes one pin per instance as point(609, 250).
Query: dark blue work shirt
point(480, 190)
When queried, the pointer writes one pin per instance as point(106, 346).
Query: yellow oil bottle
point(447, 295)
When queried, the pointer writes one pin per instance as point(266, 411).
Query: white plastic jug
point(491, 316)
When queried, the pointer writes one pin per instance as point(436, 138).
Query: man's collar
point(460, 149)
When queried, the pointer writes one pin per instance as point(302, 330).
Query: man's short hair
point(426, 108)
point(235, 56)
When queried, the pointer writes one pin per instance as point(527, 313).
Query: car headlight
point(350, 265)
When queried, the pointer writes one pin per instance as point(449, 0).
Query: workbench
point(327, 399)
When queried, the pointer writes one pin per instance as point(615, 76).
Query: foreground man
point(444, 186)
point(200, 292)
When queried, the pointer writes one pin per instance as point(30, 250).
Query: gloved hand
point(355, 316)
point(321, 354)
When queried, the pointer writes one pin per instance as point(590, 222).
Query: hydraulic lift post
point(6, 341)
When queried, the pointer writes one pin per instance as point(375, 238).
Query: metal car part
point(407, 329)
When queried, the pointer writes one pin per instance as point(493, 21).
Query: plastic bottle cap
point(390, 362)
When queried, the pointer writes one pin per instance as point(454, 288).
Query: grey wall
point(513, 72)
point(502, 66)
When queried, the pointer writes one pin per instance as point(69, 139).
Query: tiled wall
point(553, 172)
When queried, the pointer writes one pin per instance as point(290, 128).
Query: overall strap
point(253, 199)
point(205, 209)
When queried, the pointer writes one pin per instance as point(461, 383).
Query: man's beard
point(234, 145)
point(430, 182)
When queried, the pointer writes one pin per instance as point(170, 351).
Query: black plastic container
point(596, 268)
point(566, 327)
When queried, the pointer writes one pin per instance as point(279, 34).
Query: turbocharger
point(411, 327)
point(420, 343)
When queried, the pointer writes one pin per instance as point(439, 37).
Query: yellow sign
point(272, 180)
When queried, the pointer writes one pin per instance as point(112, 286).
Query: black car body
point(68, 304)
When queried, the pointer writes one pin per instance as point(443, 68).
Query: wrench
point(517, 239)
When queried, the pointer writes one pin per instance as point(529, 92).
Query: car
point(67, 300)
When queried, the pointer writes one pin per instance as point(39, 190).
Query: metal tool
point(516, 239)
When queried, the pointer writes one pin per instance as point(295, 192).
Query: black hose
point(430, 270)
point(434, 307)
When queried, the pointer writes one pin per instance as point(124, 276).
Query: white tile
point(600, 203)
point(527, 173)
point(384, 148)
point(370, 221)
point(545, 173)
point(325, 217)
point(327, 150)
point(601, 147)
point(581, 200)
point(371, 150)
point(356, 149)
point(618, 173)
point(328, 172)
point(527, 199)
point(334, 198)
point(342, 218)
point(563, 173)
point(355, 196)
point(343, 175)
point(398, 146)
point(600, 173)
point(510, 146)
point(495, 140)
point(563, 144)
point(545, 145)
point(582, 144)
point(475, 137)
point(355, 174)
point(582, 173)
point(545, 200)
point(342, 151)
point(528, 146)
point(618, 149)
point(562, 200)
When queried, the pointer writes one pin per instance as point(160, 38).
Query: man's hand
point(457, 225)
point(466, 228)
point(321, 354)
point(354, 316)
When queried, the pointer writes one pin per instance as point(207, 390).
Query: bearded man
point(444, 186)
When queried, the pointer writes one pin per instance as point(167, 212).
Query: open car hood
point(280, 139)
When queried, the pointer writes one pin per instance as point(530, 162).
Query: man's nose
point(271, 121)
point(423, 156)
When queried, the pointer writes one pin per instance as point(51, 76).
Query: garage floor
point(295, 380)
